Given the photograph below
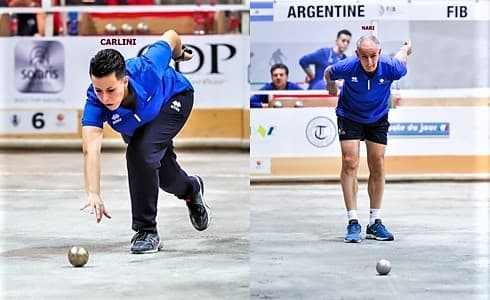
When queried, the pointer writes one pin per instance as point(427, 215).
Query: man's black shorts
point(376, 132)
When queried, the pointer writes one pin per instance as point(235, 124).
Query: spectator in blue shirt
point(322, 58)
point(148, 102)
point(279, 76)
point(362, 114)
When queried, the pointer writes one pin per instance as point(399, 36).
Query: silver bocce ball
point(383, 267)
point(277, 104)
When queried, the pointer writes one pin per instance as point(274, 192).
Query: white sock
point(352, 215)
point(373, 215)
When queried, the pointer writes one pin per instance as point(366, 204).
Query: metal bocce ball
point(277, 104)
point(142, 28)
point(383, 267)
point(78, 256)
point(110, 28)
point(126, 28)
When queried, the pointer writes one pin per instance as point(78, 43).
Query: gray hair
point(368, 37)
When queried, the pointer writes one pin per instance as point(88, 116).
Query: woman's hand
point(97, 205)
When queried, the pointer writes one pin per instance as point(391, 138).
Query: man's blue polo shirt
point(153, 82)
point(365, 99)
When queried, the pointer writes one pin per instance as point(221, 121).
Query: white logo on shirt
point(116, 118)
point(354, 79)
point(175, 105)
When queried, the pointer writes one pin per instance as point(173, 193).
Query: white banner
point(312, 132)
point(41, 72)
point(299, 10)
point(38, 121)
point(293, 132)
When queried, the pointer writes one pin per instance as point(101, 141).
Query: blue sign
point(419, 129)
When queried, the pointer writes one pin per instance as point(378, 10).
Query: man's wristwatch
point(184, 51)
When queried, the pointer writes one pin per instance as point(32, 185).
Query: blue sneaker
point(145, 242)
point(378, 231)
point(353, 232)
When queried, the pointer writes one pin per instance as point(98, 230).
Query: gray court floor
point(40, 198)
point(440, 249)
point(295, 251)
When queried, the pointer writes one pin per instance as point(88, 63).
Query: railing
point(205, 18)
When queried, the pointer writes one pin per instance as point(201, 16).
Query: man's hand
point(331, 84)
point(404, 52)
point(332, 88)
point(408, 46)
point(97, 205)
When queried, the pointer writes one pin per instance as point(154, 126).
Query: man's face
point(110, 90)
point(279, 78)
point(368, 53)
point(343, 42)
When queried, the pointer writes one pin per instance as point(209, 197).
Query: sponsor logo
point(386, 10)
point(176, 105)
point(216, 54)
point(260, 165)
point(39, 66)
point(262, 131)
point(321, 132)
point(419, 129)
point(60, 119)
point(354, 79)
point(15, 120)
point(116, 118)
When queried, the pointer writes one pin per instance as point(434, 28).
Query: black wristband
point(184, 51)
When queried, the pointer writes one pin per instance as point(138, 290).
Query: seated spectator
point(279, 76)
point(26, 22)
point(33, 24)
point(58, 27)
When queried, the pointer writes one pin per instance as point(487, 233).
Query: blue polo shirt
point(321, 59)
point(153, 82)
point(365, 99)
point(257, 100)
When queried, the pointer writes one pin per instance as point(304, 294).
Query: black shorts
point(376, 132)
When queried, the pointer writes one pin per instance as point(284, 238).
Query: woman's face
point(109, 90)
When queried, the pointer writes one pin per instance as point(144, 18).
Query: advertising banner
point(312, 132)
point(53, 73)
